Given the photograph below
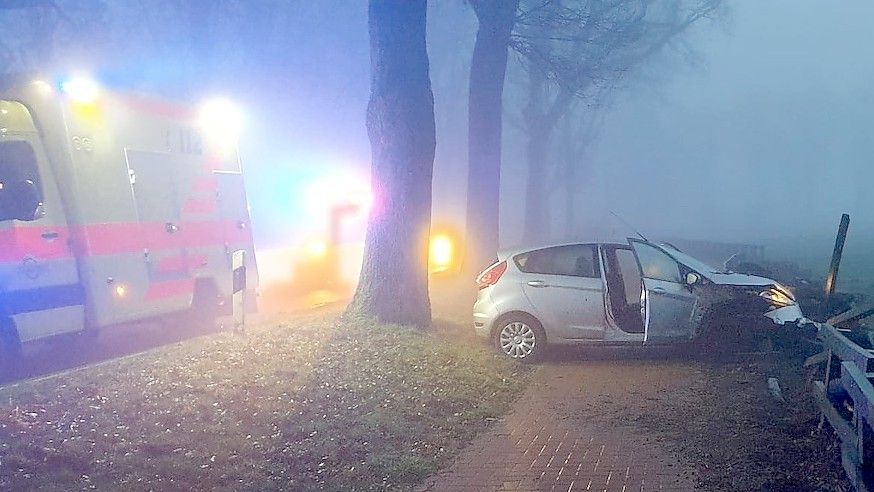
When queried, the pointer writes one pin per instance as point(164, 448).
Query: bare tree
point(393, 285)
point(488, 69)
point(583, 50)
point(45, 35)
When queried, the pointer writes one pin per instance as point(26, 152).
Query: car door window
point(657, 265)
point(577, 260)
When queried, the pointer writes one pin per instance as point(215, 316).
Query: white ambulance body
point(112, 209)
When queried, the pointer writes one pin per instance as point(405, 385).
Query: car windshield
point(690, 261)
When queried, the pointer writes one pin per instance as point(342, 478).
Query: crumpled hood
point(738, 279)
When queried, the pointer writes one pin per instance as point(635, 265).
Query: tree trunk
point(393, 285)
point(488, 69)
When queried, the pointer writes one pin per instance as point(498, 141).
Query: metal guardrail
point(848, 421)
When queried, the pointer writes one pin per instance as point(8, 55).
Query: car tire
point(203, 314)
point(520, 337)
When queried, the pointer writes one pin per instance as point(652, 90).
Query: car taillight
point(491, 275)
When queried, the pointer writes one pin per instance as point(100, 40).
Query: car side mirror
point(692, 278)
point(20, 200)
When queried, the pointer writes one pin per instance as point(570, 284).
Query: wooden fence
point(847, 401)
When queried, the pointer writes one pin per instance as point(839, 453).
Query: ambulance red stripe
point(20, 242)
point(116, 238)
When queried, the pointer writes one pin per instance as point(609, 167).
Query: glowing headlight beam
point(776, 297)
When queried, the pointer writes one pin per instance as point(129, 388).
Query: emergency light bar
point(81, 90)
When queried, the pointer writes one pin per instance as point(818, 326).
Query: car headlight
point(778, 296)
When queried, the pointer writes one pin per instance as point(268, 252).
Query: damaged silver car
point(614, 293)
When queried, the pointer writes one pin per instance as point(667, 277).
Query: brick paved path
point(554, 439)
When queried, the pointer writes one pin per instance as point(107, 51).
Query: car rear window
point(578, 260)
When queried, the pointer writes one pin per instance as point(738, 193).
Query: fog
point(760, 132)
point(764, 137)
point(768, 139)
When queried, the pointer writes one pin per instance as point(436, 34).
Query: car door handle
point(658, 289)
point(49, 235)
point(536, 283)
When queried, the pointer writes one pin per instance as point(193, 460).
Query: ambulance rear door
point(155, 188)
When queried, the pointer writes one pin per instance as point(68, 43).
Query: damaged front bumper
point(786, 314)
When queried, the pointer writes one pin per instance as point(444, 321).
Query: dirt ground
point(713, 417)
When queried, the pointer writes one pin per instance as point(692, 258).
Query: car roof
point(510, 252)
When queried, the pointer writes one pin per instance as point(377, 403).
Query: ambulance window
point(19, 180)
point(17, 163)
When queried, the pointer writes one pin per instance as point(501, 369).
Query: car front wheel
point(521, 338)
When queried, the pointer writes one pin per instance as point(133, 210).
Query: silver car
point(634, 293)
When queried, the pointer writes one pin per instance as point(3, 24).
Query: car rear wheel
point(521, 338)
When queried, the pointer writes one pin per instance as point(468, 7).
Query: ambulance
point(114, 208)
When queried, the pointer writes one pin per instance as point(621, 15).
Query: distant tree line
point(576, 53)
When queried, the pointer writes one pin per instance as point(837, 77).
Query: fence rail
point(848, 402)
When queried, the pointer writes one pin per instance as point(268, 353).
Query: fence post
point(828, 372)
point(832, 278)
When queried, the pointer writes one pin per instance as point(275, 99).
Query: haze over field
point(728, 135)
point(734, 147)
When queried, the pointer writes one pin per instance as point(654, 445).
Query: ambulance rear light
point(120, 291)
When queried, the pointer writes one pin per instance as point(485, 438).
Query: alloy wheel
point(517, 340)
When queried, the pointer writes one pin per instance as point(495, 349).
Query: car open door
point(667, 301)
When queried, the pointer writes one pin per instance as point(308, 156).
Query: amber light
point(441, 253)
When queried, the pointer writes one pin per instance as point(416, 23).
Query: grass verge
point(308, 402)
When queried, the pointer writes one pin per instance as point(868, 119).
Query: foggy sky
point(767, 138)
point(771, 139)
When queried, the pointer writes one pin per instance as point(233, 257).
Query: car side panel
point(572, 306)
point(504, 297)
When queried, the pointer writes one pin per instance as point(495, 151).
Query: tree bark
point(488, 68)
point(393, 285)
